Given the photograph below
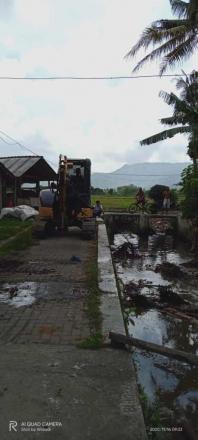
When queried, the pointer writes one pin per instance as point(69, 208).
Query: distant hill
point(141, 174)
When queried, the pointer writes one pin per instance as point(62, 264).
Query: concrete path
point(50, 388)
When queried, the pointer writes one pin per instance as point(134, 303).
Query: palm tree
point(175, 39)
point(185, 115)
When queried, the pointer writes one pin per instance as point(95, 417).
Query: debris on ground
point(75, 259)
point(158, 298)
point(191, 264)
point(13, 291)
point(169, 270)
point(160, 225)
point(125, 251)
point(168, 295)
point(131, 288)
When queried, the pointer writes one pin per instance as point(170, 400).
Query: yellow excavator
point(68, 201)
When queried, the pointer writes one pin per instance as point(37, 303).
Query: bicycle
point(138, 208)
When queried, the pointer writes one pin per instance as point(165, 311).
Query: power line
point(140, 175)
point(145, 175)
point(20, 145)
point(87, 78)
point(8, 143)
point(17, 142)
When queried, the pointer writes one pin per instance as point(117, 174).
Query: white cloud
point(98, 119)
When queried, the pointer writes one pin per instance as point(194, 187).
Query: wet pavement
point(170, 385)
point(89, 394)
point(49, 307)
point(49, 387)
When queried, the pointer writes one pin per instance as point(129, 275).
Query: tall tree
point(185, 115)
point(175, 39)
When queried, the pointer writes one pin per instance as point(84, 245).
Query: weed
point(92, 307)
point(93, 342)
point(20, 242)
point(151, 414)
point(127, 312)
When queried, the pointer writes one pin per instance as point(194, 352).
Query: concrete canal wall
point(122, 363)
point(138, 222)
point(110, 303)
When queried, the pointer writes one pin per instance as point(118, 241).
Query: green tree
point(185, 115)
point(127, 190)
point(190, 201)
point(173, 40)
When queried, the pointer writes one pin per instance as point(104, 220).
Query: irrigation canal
point(158, 279)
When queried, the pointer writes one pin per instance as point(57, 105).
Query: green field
point(10, 227)
point(109, 202)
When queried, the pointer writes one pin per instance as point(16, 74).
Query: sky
point(102, 120)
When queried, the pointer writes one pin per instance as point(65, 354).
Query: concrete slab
point(89, 394)
point(45, 378)
point(107, 281)
point(110, 303)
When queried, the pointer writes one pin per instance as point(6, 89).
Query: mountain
point(141, 174)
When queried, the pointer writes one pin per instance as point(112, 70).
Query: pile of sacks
point(22, 212)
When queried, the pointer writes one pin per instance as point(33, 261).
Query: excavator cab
point(68, 202)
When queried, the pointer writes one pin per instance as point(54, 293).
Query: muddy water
point(171, 384)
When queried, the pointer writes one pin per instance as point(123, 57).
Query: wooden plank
point(150, 346)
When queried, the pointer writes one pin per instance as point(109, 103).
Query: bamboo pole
point(150, 346)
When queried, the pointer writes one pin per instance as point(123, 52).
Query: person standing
point(166, 198)
point(98, 209)
point(140, 198)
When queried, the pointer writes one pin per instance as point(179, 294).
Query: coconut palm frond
point(159, 32)
point(171, 98)
point(181, 84)
point(193, 11)
point(181, 51)
point(179, 8)
point(165, 135)
point(174, 120)
point(189, 87)
point(169, 24)
point(149, 36)
point(176, 38)
point(156, 53)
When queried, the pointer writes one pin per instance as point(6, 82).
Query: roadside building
point(21, 178)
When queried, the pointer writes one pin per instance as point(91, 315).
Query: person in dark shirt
point(140, 198)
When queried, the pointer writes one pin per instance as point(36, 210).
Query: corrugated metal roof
point(18, 165)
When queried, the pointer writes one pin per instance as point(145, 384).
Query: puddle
point(18, 295)
point(26, 293)
point(172, 384)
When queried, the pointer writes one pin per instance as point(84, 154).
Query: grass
point(95, 340)
point(10, 227)
point(151, 414)
point(113, 201)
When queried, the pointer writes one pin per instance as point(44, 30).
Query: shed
point(22, 177)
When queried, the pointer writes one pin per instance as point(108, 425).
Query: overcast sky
point(102, 120)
